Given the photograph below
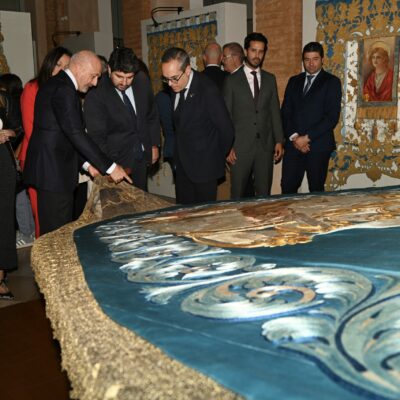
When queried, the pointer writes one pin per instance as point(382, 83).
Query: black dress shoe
point(7, 295)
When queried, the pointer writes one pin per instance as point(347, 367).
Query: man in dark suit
point(252, 99)
point(59, 145)
point(121, 116)
point(204, 131)
point(212, 57)
point(310, 112)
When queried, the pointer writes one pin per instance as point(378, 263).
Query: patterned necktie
point(308, 85)
point(256, 87)
point(128, 105)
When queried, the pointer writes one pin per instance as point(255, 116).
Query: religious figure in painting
point(378, 85)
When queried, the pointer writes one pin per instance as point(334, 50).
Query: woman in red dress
point(55, 61)
point(378, 86)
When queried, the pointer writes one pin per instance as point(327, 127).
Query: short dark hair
point(255, 37)
point(50, 62)
point(313, 47)
point(176, 53)
point(124, 59)
point(235, 48)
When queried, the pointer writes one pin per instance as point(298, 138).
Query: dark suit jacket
point(59, 145)
point(216, 75)
point(249, 121)
point(165, 111)
point(204, 134)
point(315, 114)
point(110, 125)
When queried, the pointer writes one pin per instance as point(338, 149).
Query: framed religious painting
point(378, 71)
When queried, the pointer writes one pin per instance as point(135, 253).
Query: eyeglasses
point(174, 79)
point(228, 56)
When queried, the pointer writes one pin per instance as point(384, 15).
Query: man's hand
point(278, 152)
point(231, 157)
point(302, 143)
point(5, 135)
point(119, 175)
point(155, 154)
point(93, 171)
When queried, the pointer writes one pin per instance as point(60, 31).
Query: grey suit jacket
point(249, 121)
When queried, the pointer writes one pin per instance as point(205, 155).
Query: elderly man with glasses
point(232, 57)
point(204, 130)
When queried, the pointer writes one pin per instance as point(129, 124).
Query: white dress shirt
point(250, 77)
point(187, 87)
point(86, 164)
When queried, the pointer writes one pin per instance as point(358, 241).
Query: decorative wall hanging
point(192, 34)
point(367, 136)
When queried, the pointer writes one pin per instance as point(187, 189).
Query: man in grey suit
point(251, 97)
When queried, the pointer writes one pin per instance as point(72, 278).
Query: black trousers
point(295, 164)
point(139, 174)
point(54, 209)
point(189, 192)
point(80, 199)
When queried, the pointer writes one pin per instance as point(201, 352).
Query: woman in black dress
point(8, 252)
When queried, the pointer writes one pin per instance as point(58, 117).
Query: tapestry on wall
point(360, 37)
point(192, 34)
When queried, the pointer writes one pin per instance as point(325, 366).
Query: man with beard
point(256, 118)
point(121, 116)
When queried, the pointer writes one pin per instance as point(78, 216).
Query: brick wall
point(133, 11)
point(281, 22)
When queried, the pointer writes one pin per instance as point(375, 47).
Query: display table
point(288, 297)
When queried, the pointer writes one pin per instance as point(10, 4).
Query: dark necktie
point(128, 105)
point(181, 100)
point(256, 87)
point(308, 85)
point(178, 109)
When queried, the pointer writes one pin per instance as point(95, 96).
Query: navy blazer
point(315, 114)
point(59, 145)
point(204, 134)
point(165, 111)
point(109, 123)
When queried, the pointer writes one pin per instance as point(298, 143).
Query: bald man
point(212, 57)
point(59, 146)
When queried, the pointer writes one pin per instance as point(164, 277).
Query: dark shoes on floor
point(5, 293)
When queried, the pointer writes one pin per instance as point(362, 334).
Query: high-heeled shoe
point(6, 295)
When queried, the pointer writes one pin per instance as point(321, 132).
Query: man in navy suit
point(59, 146)
point(203, 128)
point(310, 112)
point(121, 116)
